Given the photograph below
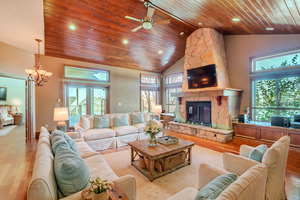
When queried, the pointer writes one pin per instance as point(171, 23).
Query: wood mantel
point(229, 92)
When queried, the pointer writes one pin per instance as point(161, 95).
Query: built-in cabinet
point(266, 133)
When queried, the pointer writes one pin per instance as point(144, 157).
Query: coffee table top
point(160, 150)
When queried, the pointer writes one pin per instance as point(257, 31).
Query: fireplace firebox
point(198, 112)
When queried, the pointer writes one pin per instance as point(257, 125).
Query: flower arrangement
point(152, 131)
point(98, 186)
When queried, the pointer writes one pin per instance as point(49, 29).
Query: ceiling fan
point(147, 22)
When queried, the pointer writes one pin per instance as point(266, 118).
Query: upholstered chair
point(275, 158)
point(249, 186)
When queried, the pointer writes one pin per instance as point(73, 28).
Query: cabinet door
point(270, 135)
point(244, 131)
point(295, 139)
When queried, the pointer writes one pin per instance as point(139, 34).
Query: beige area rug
point(168, 185)
point(6, 129)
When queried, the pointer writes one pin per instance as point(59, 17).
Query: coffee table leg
point(151, 170)
point(190, 155)
point(132, 155)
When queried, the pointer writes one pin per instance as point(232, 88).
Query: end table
point(18, 118)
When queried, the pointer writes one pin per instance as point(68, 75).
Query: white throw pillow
point(86, 122)
point(146, 116)
point(3, 114)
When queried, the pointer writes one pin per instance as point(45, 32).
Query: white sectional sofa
point(43, 184)
point(113, 137)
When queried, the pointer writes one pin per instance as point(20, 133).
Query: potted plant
point(152, 131)
point(99, 189)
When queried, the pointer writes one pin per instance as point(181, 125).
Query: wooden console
point(265, 132)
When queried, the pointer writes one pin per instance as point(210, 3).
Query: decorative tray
point(168, 140)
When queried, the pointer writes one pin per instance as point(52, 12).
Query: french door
point(149, 98)
point(85, 100)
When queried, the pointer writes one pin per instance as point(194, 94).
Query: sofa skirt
point(123, 140)
point(106, 143)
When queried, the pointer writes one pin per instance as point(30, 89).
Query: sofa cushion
point(8, 119)
point(276, 158)
point(112, 116)
point(83, 147)
point(124, 130)
point(258, 152)
point(137, 118)
point(98, 167)
point(59, 141)
point(101, 122)
point(97, 134)
point(140, 127)
point(71, 172)
point(214, 188)
point(86, 122)
point(121, 121)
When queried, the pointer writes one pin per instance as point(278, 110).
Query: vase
point(101, 196)
point(152, 141)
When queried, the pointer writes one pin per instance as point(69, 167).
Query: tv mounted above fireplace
point(202, 77)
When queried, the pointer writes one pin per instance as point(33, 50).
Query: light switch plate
point(119, 104)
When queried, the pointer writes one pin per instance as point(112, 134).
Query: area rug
point(6, 130)
point(168, 185)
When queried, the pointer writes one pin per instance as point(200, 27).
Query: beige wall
point(14, 60)
point(239, 48)
point(124, 88)
point(176, 68)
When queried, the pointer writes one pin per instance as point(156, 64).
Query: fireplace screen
point(199, 112)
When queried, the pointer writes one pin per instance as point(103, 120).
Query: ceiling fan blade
point(150, 12)
point(153, 30)
point(137, 28)
point(132, 18)
point(166, 21)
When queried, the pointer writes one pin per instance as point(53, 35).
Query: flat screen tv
point(3, 93)
point(202, 77)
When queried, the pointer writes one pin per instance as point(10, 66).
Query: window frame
point(149, 75)
point(90, 80)
point(149, 89)
point(173, 84)
point(276, 73)
point(167, 96)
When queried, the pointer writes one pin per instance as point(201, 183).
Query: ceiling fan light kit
point(147, 22)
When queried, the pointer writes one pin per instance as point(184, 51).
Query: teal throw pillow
point(258, 152)
point(71, 172)
point(101, 122)
point(56, 133)
point(214, 188)
point(57, 142)
point(121, 121)
point(71, 143)
point(137, 118)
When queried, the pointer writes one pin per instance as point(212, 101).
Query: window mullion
point(277, 96)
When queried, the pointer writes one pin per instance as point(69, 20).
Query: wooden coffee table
point(160, 151)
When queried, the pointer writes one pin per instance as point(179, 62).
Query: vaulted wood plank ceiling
point(104, 44)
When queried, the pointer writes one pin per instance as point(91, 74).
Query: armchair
point(250, 185)
point(7, 118)
point(275, 159)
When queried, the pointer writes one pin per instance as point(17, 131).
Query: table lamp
point(60, 115)
point(156, 110)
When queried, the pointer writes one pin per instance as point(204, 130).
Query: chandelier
point(38, 74)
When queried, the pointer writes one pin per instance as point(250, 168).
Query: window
point(149, 98)
point(171, 101)
point(174, 79)
point(276, 88)
point(149, 79)
point(86, 74)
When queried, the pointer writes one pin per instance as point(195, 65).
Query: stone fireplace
point(206, 47)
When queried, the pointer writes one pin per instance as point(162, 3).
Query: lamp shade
point(61, 114)
point(157, 109)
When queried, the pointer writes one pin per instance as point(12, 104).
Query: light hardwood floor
point(17, 158)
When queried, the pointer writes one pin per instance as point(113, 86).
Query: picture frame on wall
point(3, 93)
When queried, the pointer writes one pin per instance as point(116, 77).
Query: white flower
point(153, 130)
point(94, 186)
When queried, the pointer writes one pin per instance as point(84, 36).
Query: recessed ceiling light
point(125, 42)
point(236, 19)
point(270, 29)
point(91, 28)
point(160, 52)
point(181, 33)
point(199, 23)
point(72, 27)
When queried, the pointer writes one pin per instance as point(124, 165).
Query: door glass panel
point(148, 100)
point(98, 100)
point(145, 100)
point(77, 103)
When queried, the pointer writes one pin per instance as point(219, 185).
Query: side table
point(18, 118)
point(1, 123)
